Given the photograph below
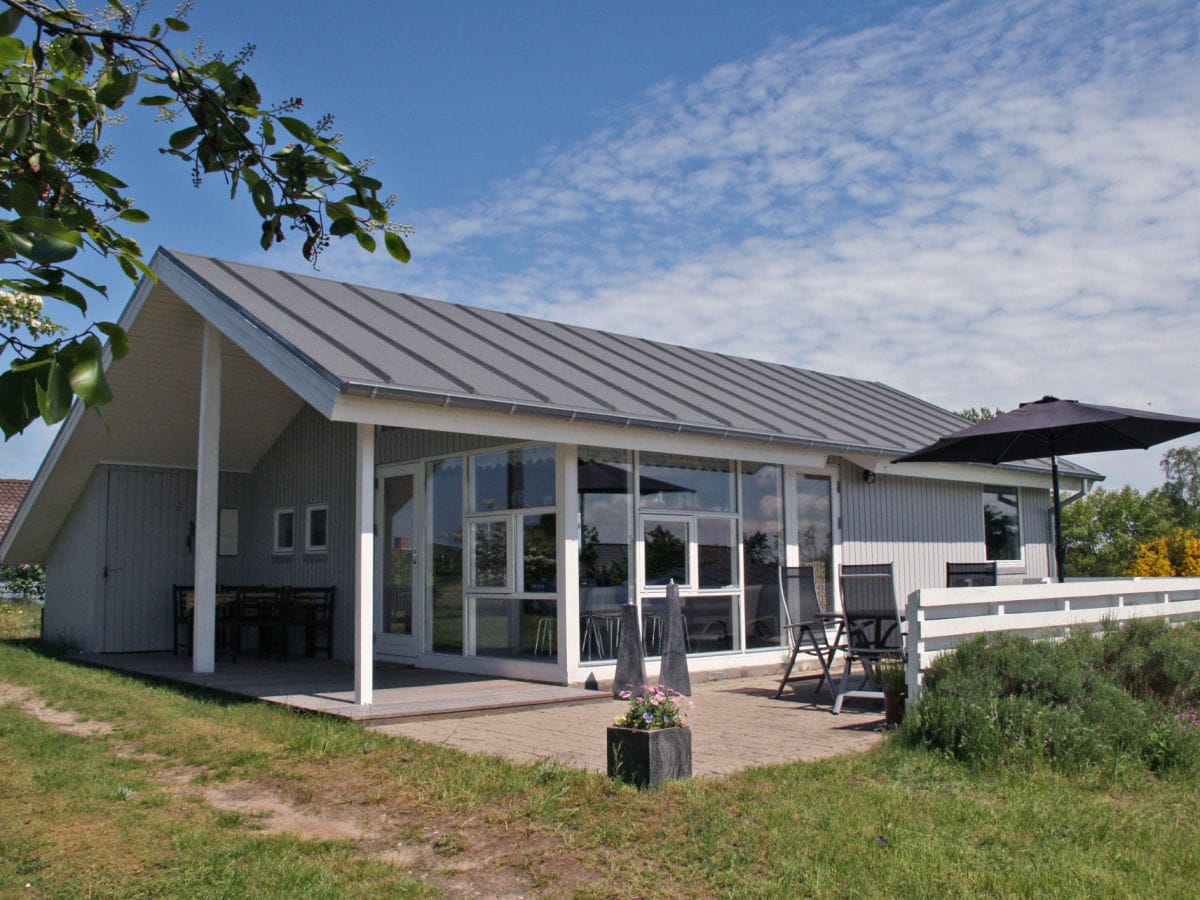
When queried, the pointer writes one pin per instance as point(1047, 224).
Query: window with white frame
point(285, 531)
point(1002, 523)
point(316, 528)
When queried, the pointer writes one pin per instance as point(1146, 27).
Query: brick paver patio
point(736, 723)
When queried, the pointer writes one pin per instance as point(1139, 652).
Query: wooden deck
point(401, 693)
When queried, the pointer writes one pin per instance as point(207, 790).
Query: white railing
point(940, 618)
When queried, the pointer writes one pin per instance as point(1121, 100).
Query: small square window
point(285, 530)
point(316, 534)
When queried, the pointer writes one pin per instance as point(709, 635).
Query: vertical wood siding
point(920, 524)
point(146, 550)
point(74, 588)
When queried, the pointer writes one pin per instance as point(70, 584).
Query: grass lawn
point(113, 786)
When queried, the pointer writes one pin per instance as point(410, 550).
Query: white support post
point(364, 565)
point(567, 487)
point(204, 579)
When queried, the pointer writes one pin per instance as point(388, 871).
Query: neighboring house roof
point(12, 492)
point(349, 350)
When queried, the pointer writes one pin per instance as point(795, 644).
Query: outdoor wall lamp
point(868, 476)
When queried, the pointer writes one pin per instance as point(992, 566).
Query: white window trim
point(509, 585)
point(277, 548)
point(692, 587)
point(309, 546)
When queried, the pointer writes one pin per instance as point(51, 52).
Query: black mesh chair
point(806, 624)
point(872, 626)
point(980, 574)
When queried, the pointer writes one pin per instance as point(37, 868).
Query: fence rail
point(939, 619)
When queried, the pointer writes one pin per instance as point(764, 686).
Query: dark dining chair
point(312, 609)
point(260, 608)
point(181, 601)
point(806, 624)
point(872, 626)
point(972, 574)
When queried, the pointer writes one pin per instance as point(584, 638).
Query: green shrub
point(1100, 702)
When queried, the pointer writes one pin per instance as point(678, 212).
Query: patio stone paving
point(736, 723)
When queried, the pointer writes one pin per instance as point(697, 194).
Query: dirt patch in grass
point(467, 858)
point(59, 719)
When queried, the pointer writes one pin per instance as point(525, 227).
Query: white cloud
point(977, 203)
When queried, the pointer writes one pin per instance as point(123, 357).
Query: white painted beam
point(204, 580)
point(364, 566)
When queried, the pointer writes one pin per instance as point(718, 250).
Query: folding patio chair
point(872, 626)
point(974, 574)
point(806, 624)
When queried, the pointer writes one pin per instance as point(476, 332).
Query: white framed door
point(399, 567)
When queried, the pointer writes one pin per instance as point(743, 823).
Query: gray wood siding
point(147, 550)
point(920, 524)
point(74, 588)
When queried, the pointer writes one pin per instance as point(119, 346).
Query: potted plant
point(652, 742)
point(893, 679)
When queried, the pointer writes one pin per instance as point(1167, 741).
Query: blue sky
point(978, 203)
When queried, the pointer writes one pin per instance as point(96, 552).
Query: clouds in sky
point(977, 203)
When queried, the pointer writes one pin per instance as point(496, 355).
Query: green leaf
point(365, 241)
point(11, 49)
point(118, 340)
point(15, 131)
point(134, 215)
point(301, 131)
point(14, 410)
point(87, 374)
point(264, 199)
point(396, 246)
point(342, 227)
point(10, 20)
point(48, 251)
point(24, 198)
point(184, 137)
point(175, 24)
point(157, 100)
point(54, 397)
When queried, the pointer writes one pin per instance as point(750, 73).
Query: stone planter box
point(649, 758)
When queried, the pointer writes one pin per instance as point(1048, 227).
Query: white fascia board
point(525, 427)
point(67, 429)
point(968, 472)
point(317, 388)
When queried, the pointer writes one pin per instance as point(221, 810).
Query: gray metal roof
point(372, 341)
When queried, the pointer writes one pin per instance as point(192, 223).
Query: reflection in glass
point(606, 509)
point(1001, 523)
point(666, 545)
point(489, 548)
point(540, 566)
point(398, 533)
point(711, 623)
point(516, 628)
point(675, 481)
point(445, 492)
point(762, 544)
point(715, 547)
point(514, 479)
point(814, 531)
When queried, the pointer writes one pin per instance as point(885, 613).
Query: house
point(484, 490)
point(12, 492)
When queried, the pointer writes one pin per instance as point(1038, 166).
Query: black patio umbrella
point(1050, 428)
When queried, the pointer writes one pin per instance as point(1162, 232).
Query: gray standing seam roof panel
point(361, 337)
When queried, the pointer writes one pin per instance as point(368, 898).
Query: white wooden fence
point(940, 618)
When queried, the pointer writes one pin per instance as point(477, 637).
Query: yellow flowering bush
point(1176, 554)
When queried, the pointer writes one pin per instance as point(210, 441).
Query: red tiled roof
point(12, 492)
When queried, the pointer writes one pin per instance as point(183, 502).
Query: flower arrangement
point(653, 707)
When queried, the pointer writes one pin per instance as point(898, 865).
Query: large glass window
point(489, 554)
point(606, 510)
point(762, 550)
point(445, 492)
point(513, 479)
point(672, 481)
point(1002, 523)
point(814, 531)
point(667, 544)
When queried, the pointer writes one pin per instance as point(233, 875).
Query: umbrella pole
point(1060, 551)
